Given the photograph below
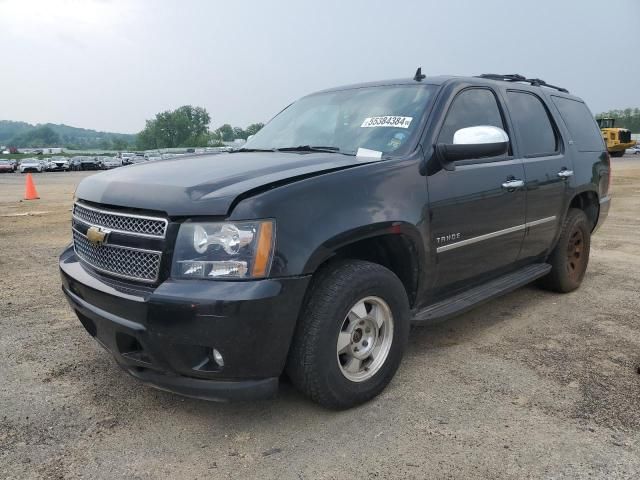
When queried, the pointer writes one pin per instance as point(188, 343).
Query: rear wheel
point(570, 257)
point(617, 154)
point(351, 335)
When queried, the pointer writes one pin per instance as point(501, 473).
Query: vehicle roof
point(440, 80)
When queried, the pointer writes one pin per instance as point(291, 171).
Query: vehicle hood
point(204, 184)
point(30, 164)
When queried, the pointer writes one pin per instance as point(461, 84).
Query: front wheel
point(570, 256)
point(351, 334)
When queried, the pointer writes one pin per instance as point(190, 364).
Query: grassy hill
point(21, 134)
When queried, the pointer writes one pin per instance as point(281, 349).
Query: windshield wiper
point(253, 150)
point(308, 148)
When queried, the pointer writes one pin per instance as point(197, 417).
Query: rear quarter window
point(582, 127)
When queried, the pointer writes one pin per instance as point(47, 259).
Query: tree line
point(22, 134)
point(627, 118)
point(188, 126)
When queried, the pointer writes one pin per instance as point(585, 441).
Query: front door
point(477, 211)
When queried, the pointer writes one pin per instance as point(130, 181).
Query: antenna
point(419, 76)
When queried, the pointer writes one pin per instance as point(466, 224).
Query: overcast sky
point(109, 65)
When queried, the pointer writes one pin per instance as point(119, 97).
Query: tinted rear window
point(533, 126)
point(581, 124)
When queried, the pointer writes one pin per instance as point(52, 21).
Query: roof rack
point(514, 77)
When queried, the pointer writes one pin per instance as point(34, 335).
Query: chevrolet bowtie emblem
point(97, 236)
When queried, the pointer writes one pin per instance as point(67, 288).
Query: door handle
point(565, 173)
point(513, 184)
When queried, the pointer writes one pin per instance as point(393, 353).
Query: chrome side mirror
point(480, 135)
point(482, 141)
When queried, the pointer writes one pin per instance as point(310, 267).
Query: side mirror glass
point(483, 141)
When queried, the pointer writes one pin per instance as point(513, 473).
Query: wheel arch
point(394, 245)
point(589, 202)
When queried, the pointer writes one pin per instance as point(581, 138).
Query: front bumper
point(164, 336)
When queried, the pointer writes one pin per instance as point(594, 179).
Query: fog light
point(217, 357)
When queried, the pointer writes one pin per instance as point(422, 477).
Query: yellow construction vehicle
point(617, 139)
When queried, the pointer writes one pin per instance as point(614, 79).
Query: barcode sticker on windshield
point(387, 121)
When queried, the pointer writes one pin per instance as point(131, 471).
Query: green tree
point(214, 140)
point(253, 128)
point(40, 136)
point(186, 126)
point(225, 132)
point(239, 133)
point(147, 138)
point(118, 144)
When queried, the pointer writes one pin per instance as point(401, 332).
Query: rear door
point(477, 220)
point(547, 169)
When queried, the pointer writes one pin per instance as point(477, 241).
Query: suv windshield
point(383, 118)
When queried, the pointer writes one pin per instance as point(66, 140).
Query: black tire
point(570, 257)
point(314, 362)
point(617, 154)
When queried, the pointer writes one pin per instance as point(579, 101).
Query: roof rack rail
point(515, 77)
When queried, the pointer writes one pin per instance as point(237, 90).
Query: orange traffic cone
point(30, 192)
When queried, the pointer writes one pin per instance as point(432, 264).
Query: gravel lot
point(532, 385)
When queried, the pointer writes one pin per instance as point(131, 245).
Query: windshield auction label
point(387, 121)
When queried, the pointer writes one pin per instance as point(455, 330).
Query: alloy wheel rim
point(365, 338)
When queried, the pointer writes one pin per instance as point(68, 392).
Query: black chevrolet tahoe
point(354, 213)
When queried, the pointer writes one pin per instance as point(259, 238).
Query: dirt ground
point(532, 385)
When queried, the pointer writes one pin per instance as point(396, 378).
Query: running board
point(469, 299)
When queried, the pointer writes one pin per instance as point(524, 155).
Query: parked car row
point(82, 162)
point(34, 165)
point(65, 164)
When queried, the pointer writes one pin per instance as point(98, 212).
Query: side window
point(470, 108)
point(580, 123)
point(531, 121)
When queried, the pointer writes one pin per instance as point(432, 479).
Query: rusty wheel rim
point(575, 254)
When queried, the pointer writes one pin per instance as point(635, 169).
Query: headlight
point(224, 250)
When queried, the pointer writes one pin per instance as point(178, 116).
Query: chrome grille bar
point(127, 223)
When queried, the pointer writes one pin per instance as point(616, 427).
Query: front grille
point(135, 264)
point(121, 222)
